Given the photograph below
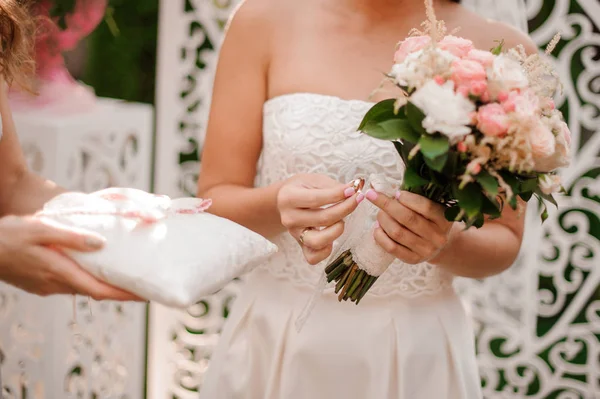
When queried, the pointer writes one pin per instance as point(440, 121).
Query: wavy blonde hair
point(17, 36)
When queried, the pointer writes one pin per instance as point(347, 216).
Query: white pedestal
point(111, 146)
point(42, 353)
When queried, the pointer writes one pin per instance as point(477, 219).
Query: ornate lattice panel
point(537, 325)
point(58, 347)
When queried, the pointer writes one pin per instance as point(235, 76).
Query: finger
point(329, 216)
point(390, 246)
point(320, 239)
point(47, 232)
point(404, 236)
point(82, 282)
point(314, 257)
point(403, 215)
point(313, 198)
point(423, 206)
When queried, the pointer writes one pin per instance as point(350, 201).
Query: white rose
point(445, 111)
point(507, 74)
point(550, 184)
point(560, 157)
point(421, 66)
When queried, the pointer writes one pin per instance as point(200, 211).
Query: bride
point(291, 89)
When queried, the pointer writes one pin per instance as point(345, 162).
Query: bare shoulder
point(252, 15)
point(486, 32)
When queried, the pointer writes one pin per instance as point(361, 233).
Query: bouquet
point(475, 130)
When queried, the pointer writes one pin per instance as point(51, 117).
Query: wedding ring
point(301, 238)
point(358, 184)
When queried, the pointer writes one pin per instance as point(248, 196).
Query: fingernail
point(349, 192)
point(94, 242)
point(360, 197)
point(397, 195)
point(372, 195)
point(376, 225)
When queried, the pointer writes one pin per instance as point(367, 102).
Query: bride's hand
point(312, 208)
point(411, 227)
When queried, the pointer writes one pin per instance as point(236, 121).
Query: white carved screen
point(55, 348)
point(538, 325)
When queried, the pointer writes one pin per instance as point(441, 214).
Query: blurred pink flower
point(485, 58)
point(457, 46)
point(466, 72)
point(492, 120)
point(410, 45)
point(542, 142)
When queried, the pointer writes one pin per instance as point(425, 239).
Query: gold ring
point(301, 238)
point(358, 184)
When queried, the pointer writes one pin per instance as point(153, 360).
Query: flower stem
point(351, 281)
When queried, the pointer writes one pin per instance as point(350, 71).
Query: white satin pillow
point(168, 251)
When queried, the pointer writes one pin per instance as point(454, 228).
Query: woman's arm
point(484, 252)
point(234, 134)
point(21, 191)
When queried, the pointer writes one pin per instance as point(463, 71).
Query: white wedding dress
point(408, 339)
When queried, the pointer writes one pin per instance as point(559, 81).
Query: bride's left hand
point(411, 227)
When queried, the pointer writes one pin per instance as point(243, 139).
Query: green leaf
point(511, 180)
point(412, 179)
point(491, 207)
point(433, 146)
point(498, 49)
point(415, 117)
point(548, 197)
point(544, 214)
point(382, 111)
point(392, 129)
point(402, 129)
point(452, 213)
point(479, 221)
point(514, 184)
point(488, 183)
point(529, 185)
point(470, 199)
point(438, 163)
point(453, 164)
point(526, 196)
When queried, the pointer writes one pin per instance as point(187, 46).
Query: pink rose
point(478, 87)
point(492, 120)
point(462, 147)
point(457, 46)
point(543, 143)
point(565, 132)
point(485, 58)
point(410, 45)
point(465, 72)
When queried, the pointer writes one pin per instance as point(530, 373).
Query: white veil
point(512, 12)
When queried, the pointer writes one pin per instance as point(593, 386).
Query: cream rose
point(507, 74)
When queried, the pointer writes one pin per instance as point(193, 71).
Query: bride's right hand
point(312, 208)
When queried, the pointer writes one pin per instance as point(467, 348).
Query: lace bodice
point(311, 133)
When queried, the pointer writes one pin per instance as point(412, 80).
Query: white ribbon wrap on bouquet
point(358, 238)
point(169, 251)
point(367, 254)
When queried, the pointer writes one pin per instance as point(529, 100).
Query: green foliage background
point(124, 66)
